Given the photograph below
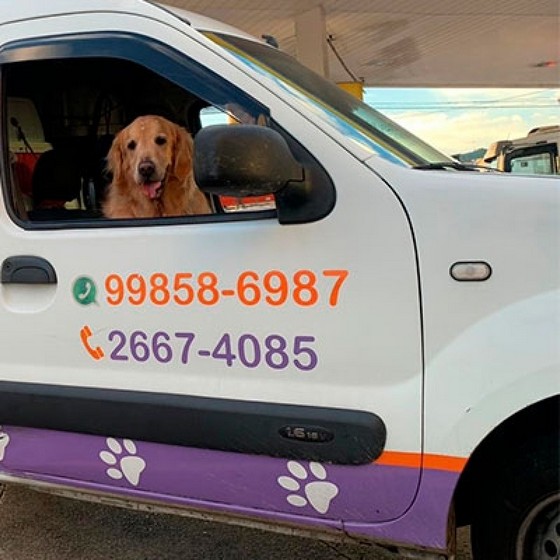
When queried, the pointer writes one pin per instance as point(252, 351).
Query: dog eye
point(131, 145)
point(160, 140)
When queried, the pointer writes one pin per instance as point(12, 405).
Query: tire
point(517, 509)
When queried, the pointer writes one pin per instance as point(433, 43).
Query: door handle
point(27, 269)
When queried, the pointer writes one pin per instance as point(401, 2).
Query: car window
point(64, 110)
point(532, 160)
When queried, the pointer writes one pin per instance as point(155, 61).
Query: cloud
point(457, 133)
point(462, 120)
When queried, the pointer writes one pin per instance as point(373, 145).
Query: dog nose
point(146, 169)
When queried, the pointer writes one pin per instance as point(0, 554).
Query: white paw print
point(318, 493)
point(130, 465)
point(4, 441)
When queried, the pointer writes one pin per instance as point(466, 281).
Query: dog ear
point(182, 164)
point(115, 159)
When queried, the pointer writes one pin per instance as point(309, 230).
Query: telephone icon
point(84, 290)
point(82, 296)
point(96, 352)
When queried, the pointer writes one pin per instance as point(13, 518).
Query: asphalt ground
point(37, 526)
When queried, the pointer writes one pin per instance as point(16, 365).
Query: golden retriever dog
point(151, 164)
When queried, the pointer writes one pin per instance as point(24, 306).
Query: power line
point(393, 106)
point(538, 99)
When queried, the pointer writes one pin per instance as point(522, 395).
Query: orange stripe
point(400, 459)
point(444, 462)
point(414, 460)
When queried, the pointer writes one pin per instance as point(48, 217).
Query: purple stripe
point(368, 500)
point(425, 523)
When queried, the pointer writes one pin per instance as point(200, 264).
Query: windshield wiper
point(455, 165)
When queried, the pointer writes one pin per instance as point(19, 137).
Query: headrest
point(56, 178)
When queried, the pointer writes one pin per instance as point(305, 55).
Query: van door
point(234, 360)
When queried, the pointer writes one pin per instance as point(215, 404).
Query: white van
point(373, 356)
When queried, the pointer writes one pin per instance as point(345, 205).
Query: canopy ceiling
point(408, 43)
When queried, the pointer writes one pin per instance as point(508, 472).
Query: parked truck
point(373, 354)
point(536, 153)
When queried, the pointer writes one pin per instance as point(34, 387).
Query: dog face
point(149, 153)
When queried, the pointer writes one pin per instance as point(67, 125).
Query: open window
point(65, 99)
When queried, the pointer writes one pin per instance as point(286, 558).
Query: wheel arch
point(495, 450)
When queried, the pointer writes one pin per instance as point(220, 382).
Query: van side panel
point(327, 497)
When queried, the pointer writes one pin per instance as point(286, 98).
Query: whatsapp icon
point(84, 290)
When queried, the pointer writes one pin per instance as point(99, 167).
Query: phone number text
point(274, 288)
point(248, 350)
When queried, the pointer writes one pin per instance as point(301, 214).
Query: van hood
point(489, 200)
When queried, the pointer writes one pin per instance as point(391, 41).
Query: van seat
point(56, 182)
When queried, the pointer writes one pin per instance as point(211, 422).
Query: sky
point(462, 120)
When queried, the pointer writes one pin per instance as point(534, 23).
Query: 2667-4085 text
point(250, 351)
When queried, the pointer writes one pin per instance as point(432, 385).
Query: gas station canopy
point(408, 43)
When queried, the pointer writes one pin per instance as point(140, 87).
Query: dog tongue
point(152, 190)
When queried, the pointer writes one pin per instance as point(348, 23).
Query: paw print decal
point(311, 487)
point(123, 461)
point(4, 441)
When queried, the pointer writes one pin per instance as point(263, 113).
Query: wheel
point(539, 535)
point(517, 509)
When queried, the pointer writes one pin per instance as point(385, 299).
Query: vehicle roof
point(30, 9)
point(539, 135)
point(204, 23)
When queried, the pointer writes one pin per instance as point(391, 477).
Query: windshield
point(352, 117)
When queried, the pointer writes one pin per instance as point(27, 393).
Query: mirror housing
point(243, 160)
point(250, 160)
point(495, 149)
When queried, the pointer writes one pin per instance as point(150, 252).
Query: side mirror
point(243, 160)
point(251, 160)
